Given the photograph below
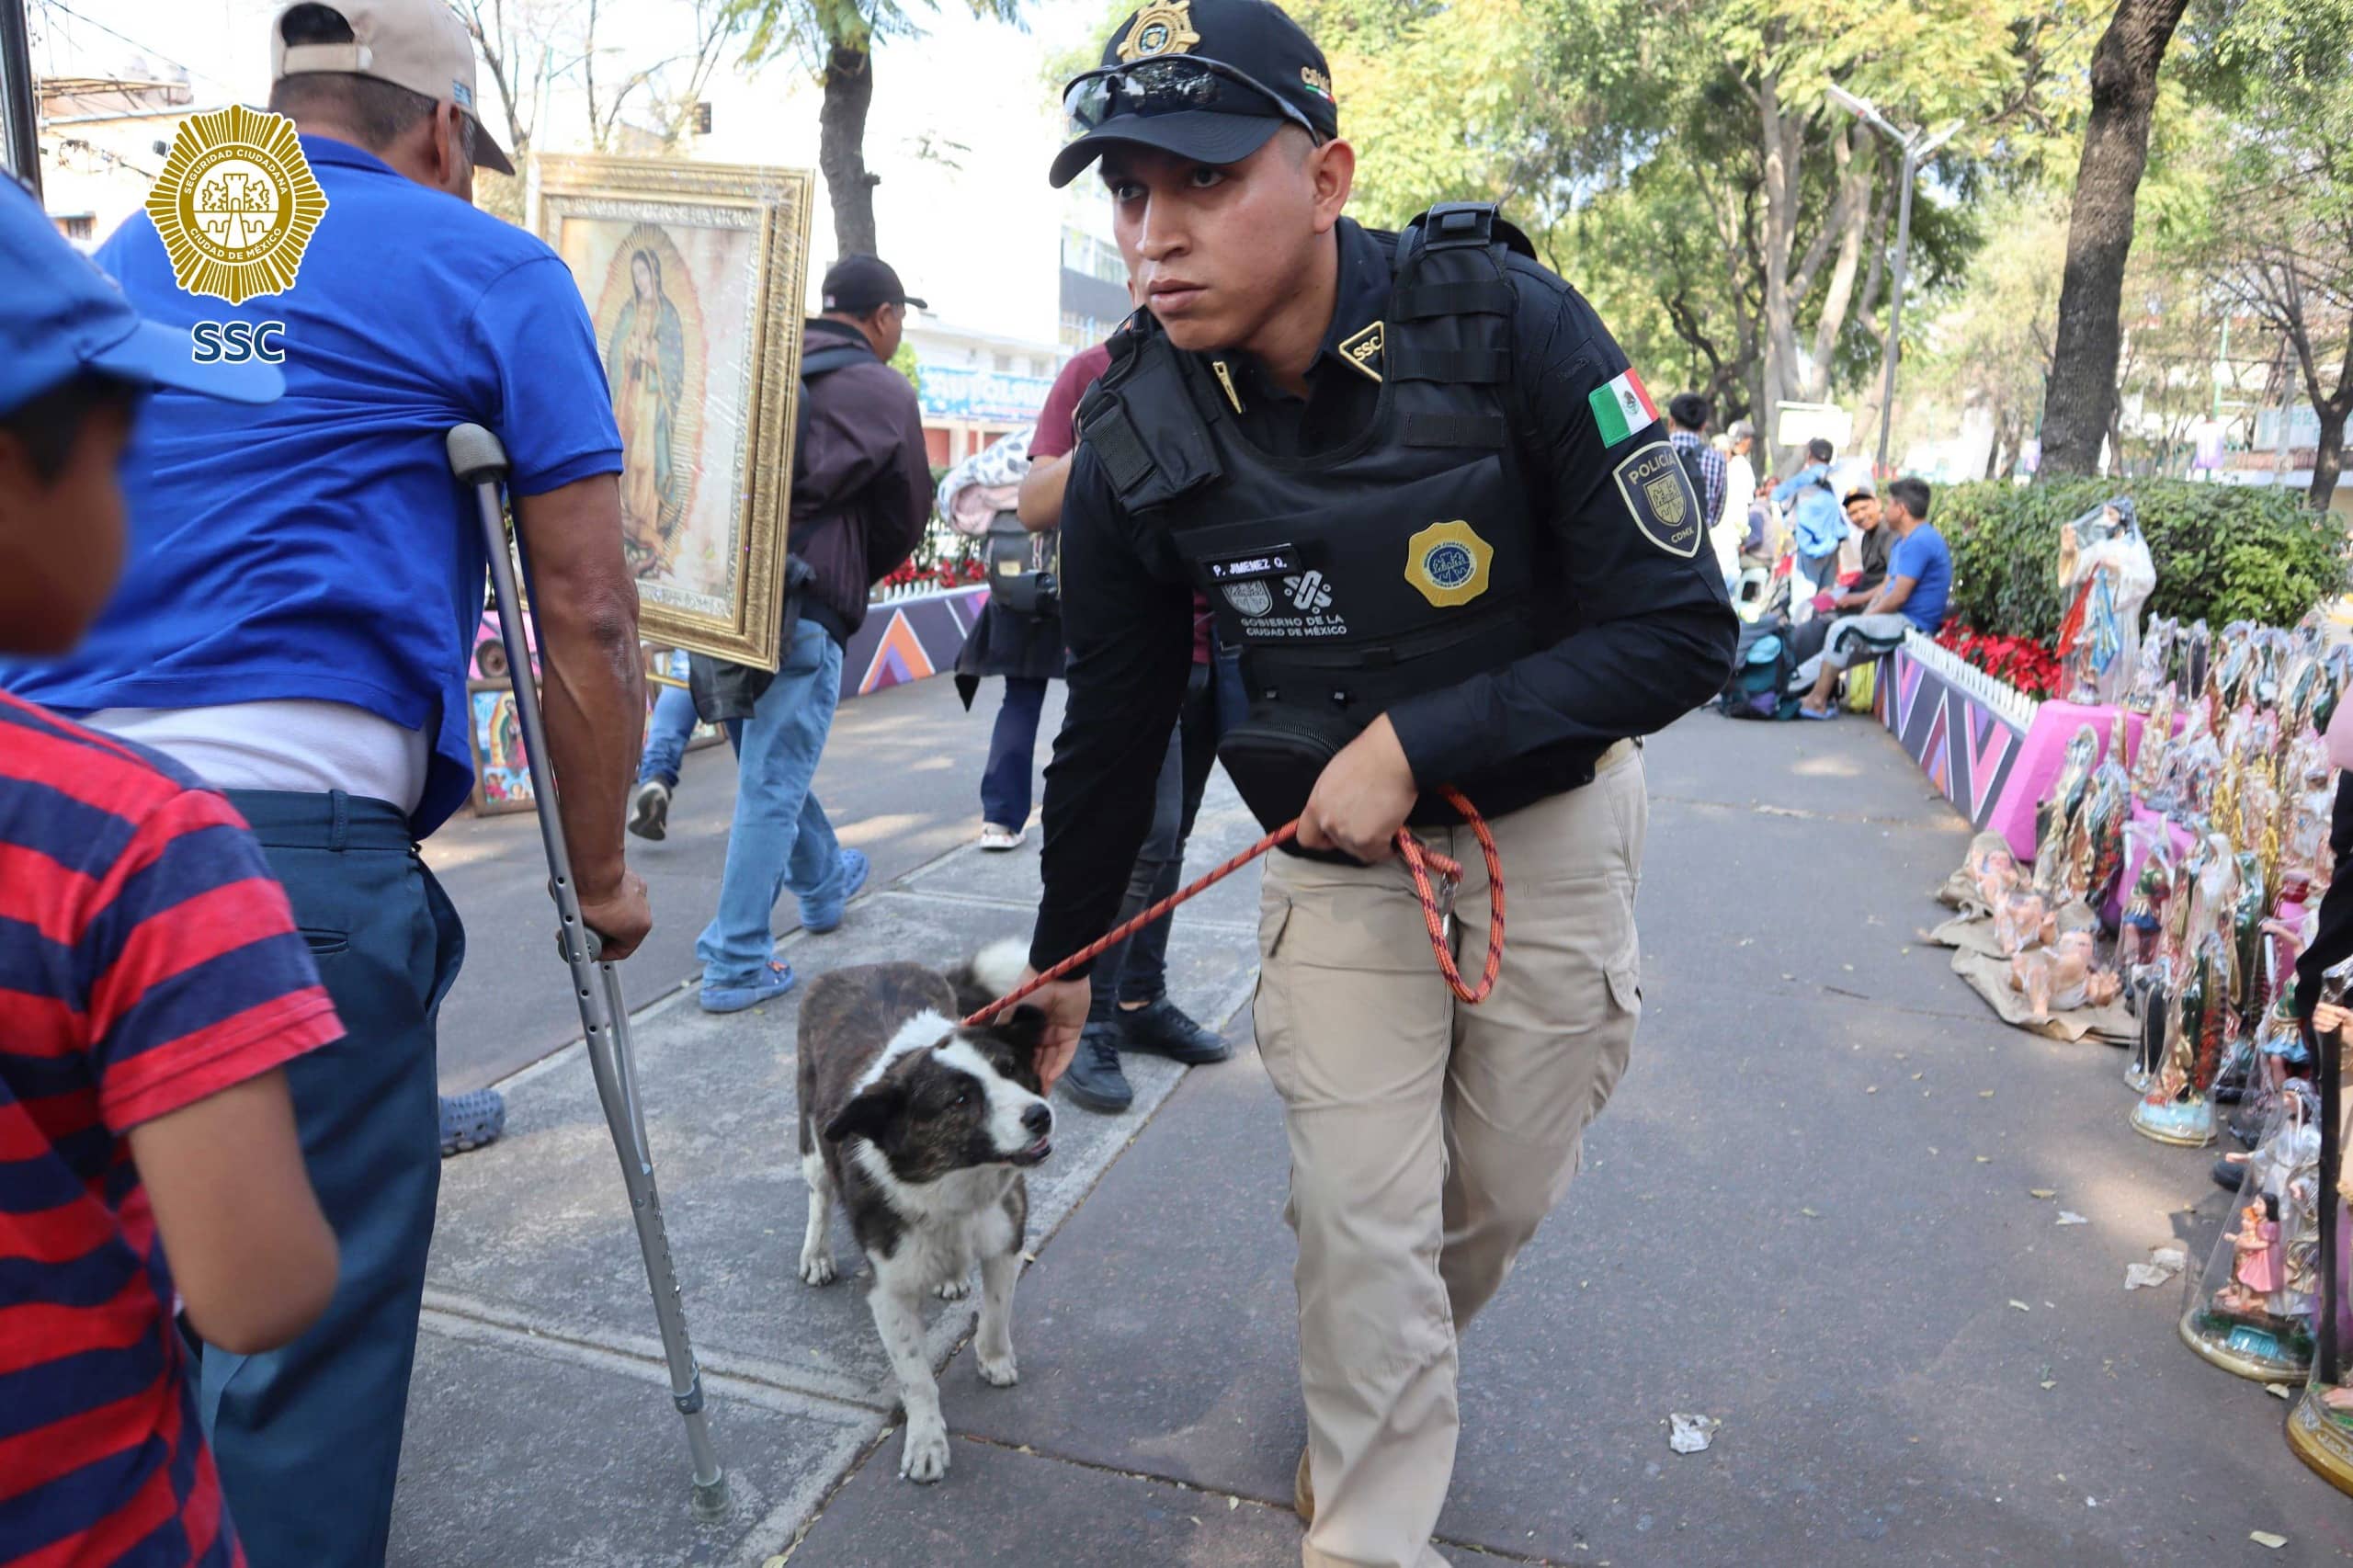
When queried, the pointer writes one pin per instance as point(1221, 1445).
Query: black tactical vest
point(1393, 564)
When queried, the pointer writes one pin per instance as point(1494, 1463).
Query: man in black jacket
point(1434, 509)
point(861, 489)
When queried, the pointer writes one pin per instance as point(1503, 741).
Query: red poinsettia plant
point(954, 574)
point(2021, 661)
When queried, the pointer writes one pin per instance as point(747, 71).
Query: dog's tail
point(991, 972)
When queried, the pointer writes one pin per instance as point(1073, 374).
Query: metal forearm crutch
point(478, 460)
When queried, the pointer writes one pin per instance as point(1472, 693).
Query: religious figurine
point(2064, 976)
point(2153, 676)
point(2144, 907)
point(2303, 848)
point(2336, 668)
point(1992, 870)
point(2246, 937)
point(2249, 1310)
point(2104, 563)
point(2156, 740)
point(2175, 1108)
point(2256, 1276)
point(2059, 812)
point(2106, 809)
point(2197, 654)
point(2021, 920)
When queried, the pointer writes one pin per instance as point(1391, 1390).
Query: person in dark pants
point(1013, 755)
point(1129, 1007)
point(302, 584)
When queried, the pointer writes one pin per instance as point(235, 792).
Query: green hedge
point(2223, 553)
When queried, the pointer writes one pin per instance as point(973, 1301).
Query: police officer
point(1433, 506)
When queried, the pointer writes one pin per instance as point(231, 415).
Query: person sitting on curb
point(1864, 514)
point(1915, 594)
point(861, 494)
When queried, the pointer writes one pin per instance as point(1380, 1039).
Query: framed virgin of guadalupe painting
point(694, 275)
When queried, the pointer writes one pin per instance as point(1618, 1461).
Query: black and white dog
point(923, 1128)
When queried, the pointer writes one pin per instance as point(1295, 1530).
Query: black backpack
point(1763, 670)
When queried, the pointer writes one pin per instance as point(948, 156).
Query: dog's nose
point(1038, 1119)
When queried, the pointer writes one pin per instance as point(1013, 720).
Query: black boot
point(1161, 1028)
point(1095, 1080)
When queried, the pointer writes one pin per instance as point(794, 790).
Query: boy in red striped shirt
point(152, 985)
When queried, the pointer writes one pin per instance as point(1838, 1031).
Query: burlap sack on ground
point(1988, 975)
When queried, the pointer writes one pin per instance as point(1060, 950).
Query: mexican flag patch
point(1622, 407)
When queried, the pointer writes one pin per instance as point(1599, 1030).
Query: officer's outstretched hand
point(1362, 798)
point(1066, 1003)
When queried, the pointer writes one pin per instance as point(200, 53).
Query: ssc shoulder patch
point(1658, 497)
point(1363, 349)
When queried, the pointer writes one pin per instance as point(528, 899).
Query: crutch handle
point(476, 456)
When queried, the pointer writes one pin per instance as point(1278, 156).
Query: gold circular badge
point(235, 204)
point(1447, 562)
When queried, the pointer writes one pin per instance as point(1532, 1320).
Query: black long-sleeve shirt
point(1633, 635)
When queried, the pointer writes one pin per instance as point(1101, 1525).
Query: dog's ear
point(869, 1115)
point(1022, 1028)
point(1022, 1031)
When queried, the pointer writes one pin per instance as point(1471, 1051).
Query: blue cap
point(60, 315)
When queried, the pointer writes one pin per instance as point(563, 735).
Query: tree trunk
point(2080, 396)
point(2328, 457)
point(841, 147)
point(1781, 144)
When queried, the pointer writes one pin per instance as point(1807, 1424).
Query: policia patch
point(1658, 497)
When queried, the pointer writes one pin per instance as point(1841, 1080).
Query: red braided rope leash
point(1420, 861)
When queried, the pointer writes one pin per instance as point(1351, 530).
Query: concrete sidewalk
point(1807, 1213)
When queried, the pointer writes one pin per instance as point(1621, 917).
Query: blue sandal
point(472, 1120)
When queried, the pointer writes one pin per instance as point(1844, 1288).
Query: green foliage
point(903, 361)
point(2223, 553)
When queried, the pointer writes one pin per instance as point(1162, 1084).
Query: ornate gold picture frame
point(694, 275)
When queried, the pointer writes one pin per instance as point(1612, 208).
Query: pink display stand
point(2041, 755)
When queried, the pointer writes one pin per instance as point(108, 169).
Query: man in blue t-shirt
point(304, 583)
point(1914, 597)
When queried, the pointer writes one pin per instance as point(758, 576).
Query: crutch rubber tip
point(475, 455)
point(710, 1500)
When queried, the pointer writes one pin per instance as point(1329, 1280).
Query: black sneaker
point(649, 810)
point(1095, 1080)
point(1161, 1029)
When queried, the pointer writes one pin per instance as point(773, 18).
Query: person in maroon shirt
point(1131, 1009)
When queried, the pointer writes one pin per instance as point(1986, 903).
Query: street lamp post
point(1916, 146)
point(20, 120)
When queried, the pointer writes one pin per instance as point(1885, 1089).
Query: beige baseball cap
point(417, 44)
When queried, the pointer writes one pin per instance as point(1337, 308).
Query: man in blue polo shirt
point(305, 580)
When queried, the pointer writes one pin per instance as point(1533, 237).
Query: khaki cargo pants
point(1428, 1140)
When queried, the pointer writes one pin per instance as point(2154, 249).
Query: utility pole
point(20, 118)
point(1916, 146)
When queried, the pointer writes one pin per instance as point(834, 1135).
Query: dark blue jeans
point(308, 1436)
point(1137, 970)
point(1013, 748)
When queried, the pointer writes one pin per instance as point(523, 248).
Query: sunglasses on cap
point(1172, 85)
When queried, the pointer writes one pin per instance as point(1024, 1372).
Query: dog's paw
point(999, 1371)
point(923, 1459)
point(952, 1290)
point(817, 1268)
